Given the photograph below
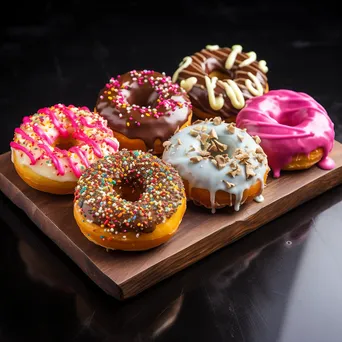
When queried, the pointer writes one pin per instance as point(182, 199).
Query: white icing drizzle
point(258, 91)
point(259, 199)
point(251, 58)
point(188, 83)
point(263, 67)
point(216, 103)
point(212, 47)
point(234, 93)
point(184, 64)
point(232, 56)
point(203, 174)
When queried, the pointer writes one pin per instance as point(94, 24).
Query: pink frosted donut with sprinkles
point(144, 108)
point(52, 148)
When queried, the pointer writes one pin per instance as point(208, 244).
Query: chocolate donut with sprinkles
point(144, 109)
point(131, 201)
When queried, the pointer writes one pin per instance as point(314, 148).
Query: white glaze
point(204, 174)
point(236, 49)
point(251, 58)
point(263, 66)
point(234, 93)
point(258, 91)
point(188, 83)
point(184, 64)
point(212, 47)
point(215, 103)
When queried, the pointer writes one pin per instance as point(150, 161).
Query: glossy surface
point(289, 124)
point(281, 283)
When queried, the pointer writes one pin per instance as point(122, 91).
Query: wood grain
point(125, 274)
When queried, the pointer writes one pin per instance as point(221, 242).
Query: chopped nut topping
point(204, 153)
point(214, 162)
point(193, 133)
point(228, 184)
point(177, 130)
point(249, 171)
point(212, 147)
point(241, 155)
point(213, 134)
point(204, 138)
point(259, 150)
point(231, 128)
point(196, 159)
point(221, 147)
point(260, 158)
point(257, 139)
point(222, 161)
point(198, 128)
point(241, 137)
point(191, 149)
point(197, 122)
point(167, 144)
point(217, 120)
point(179, 142)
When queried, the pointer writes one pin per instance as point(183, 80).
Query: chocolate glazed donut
point(220, 80)
point(144, 105)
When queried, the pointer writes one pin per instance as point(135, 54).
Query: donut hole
point(65, 143)
point(215, 68)
point(220, 74)
point(142, 96)
point(131, 192)
point(292, 120)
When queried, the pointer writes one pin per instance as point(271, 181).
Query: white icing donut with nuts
point(214, 155)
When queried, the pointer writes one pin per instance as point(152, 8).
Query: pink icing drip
point(58, 165)
point(288, 123)
point(81, 136)
point(112, 144)
point(24, 135)
point(97, 125)
point(42, 134)
point(71, 116)
point(326, 163)
point(26, 119)
point(85, 108)
point(80, 154)
point(72, 165)
point(62, 131)
point(25, 150)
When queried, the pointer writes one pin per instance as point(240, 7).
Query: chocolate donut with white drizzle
point(220, 80)
point(216, 156)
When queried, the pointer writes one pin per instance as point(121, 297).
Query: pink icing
point(58, 165)
point(288, 123)
point(24, 135)
point(72, 165)
point(62, 131)
point(42, 135)
point(77, 121)
point(83, 137)
point(25, 150)
point(80, 154)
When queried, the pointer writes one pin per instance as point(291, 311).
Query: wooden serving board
point(125, 274)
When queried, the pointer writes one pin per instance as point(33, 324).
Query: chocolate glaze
point(137, 95)
point(205, 62)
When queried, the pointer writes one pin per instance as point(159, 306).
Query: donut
point(144, 108)
point(220, 164)
point(220, 80)
point(129, 201)
point(52, 147)
point(295, 130)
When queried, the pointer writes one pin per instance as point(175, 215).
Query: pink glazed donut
point(52, 147)
point(295, 130)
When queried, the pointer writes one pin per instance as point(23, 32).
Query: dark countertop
point(281, 283)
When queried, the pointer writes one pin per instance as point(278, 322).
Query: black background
point(63, 52)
